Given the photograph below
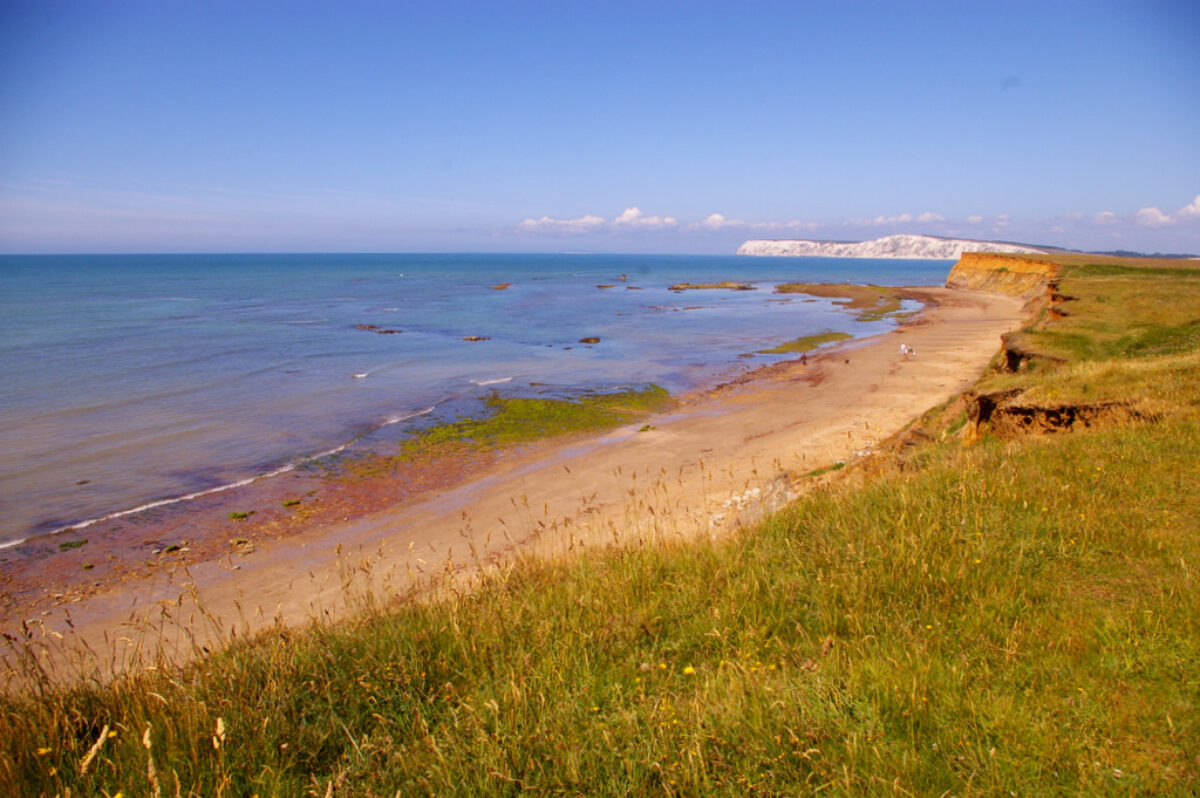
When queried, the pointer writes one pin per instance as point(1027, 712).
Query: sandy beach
point(718, 461)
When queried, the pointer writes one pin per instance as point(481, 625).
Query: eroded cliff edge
point(1025, 277)
point(1014, 400)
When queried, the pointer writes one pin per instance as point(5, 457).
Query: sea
point(129, 381)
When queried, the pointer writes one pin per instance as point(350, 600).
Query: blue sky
point(177, 126)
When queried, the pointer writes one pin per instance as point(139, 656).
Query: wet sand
point(170, 582)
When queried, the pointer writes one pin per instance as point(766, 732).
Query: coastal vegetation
point(969, 611)
point(1113, 342)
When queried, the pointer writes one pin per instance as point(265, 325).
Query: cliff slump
point(1004, 274)
point(1021, 276)
point(1002, 413)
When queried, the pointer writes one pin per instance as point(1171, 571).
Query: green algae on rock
point(727, 285)
point(868, 302)
point(521, 419)
point(806, 344)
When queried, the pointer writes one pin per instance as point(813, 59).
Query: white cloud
point(584, 224)
point(928, 217)
point(1152, 217)
point(1191, 210)
point(633, 217)
point(716, 221)
point(630, 219)
point(1071, 228)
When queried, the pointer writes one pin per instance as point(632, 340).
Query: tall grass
point(1009, 618)
point(987, 625)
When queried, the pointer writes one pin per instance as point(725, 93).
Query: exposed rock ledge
point(899, 246)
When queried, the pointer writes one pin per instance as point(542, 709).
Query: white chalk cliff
point(898, 246)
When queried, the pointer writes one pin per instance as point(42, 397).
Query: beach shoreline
point(188, 374)
point(720, 460)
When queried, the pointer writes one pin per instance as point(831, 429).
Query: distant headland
point(897, 246)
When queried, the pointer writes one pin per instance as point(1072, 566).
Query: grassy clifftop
point(1018, 614)
point(1111, 342)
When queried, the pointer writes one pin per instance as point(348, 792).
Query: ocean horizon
point(135, 380)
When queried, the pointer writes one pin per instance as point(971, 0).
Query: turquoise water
point(128, 380)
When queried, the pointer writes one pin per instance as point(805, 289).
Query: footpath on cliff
point(718, 462)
